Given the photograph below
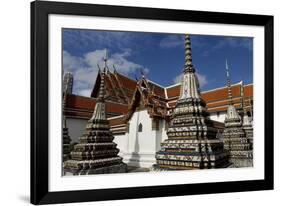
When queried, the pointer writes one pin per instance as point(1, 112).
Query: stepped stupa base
point(157, 168)
point(119, 168)
point(160, 168)
point(241, 158)
point(184, 154)
point(241, 162)
point(192, 161)
point(65, 157)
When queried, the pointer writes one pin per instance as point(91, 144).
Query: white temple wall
point(122, 143)
point(141, 144)
point(138, 148)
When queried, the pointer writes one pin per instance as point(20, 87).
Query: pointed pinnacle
point(188, 55)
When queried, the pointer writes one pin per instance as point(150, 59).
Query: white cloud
point(85, 92)
point(201, 78)
point(70, 62)
point(85, 68)
point(177, 79)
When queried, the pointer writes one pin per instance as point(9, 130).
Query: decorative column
point(192, 142)
point(68, 80)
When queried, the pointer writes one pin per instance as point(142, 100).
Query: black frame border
point(39, 102)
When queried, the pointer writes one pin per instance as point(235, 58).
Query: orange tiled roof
point(248, 90)
point(120, 88)
point(173, 91)
point(120, 120)
point(83, 107)
point(157, 90)
point(126, 82)
point(221, 94)
point(80, 102)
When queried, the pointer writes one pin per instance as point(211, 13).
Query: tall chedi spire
point(96, 152)
point(248, 127)
point(235, 140)
point(68, 81)
point(247, 124)
point(190, 85)
point(247, 121)
point(192, 142)
point(228, 82)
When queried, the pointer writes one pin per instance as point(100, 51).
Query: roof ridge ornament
point(105, 59)
point(114, 69)
point(99, 69)
point(142, 73)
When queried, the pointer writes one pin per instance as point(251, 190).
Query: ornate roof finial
point(114, 69)
point(99, 111)
point(136, 78)
point(142, 73)
point(188, 67)
point(99, 71)
point(105, 59)
point(153, 88)
point(243, 98)
point(228, 82)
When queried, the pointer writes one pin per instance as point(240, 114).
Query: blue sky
point(160, 56)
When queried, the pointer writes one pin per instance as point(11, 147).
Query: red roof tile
point(85, 103)
point(117, 121)
point(126, 82)
point(216, 99)
point(173, 91)
point(159, 91)
point(248, 90)
point(221, 94)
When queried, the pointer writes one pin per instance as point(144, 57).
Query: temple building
point(235, 140)
point(192, 137)
point(96, 153)
point(139, 111)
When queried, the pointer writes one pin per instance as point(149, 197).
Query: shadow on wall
point(159, 133)
point(135, 158)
